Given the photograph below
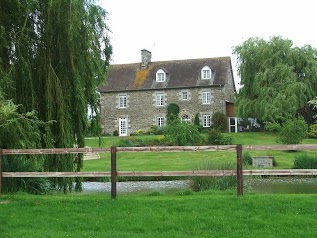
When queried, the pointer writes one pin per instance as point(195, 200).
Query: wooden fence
point(239, 172)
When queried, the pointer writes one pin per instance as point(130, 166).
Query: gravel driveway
point(126, 187)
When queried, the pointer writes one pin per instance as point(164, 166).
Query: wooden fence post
point(0, 172)
point(113, 172)
point(239, 171)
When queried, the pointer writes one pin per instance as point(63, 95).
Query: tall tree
point(54, 54)
point(277, 78)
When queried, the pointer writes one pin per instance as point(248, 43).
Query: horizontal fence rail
point(280, 147)
point(53, 151)
point(197, 173)
point(157, 149)
point(114, 173)
point(55, 174)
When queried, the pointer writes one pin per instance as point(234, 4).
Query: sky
point(190, 29)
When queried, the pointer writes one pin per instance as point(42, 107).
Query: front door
point(123, 126)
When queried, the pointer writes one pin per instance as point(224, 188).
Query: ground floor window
point(160, 121)
point(123, 126)
point(186, 118)
point(206, 120)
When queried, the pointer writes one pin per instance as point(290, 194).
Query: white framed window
point(186, 118)
point(160, 76)
point(160, 99)
point(123, 126)
point(206, 120)
point(206, 97)
point(122, 101)
point(206, 73)
point(160, 121)
point(184, 95)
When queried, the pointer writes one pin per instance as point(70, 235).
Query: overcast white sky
point(189, 29)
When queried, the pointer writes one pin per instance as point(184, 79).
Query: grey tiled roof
point(179, 73)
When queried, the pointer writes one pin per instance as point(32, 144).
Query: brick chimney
point(145, 58)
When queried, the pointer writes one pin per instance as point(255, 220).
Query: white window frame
point(123, 126)
point(122, 101)
point(206, 73)
point(184, 95)
point(160, 121)
point(159, 99)
point(206, 120)
point(160, 76)
point(206, 97)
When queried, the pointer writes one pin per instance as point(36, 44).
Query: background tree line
point(278, 81)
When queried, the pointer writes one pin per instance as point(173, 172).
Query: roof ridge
point(179, 60)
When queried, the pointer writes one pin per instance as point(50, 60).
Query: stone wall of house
point(142, 111)
point(229, 87)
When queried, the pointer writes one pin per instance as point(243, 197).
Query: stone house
point(135, 96)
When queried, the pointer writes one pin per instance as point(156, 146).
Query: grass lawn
point(204, 214)
point(172, 161)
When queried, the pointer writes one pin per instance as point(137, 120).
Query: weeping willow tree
point(53, 56)
point(277, 78)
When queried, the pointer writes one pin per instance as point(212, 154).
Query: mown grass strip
point(209, 214)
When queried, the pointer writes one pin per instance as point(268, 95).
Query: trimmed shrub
point(139, 142)
point(219, 121)
point(293, 131)
point(305, 161)
point(215, 137)
point(197, 123)
point(172, 112)
point(115, 133)
point(312, 131)
point(196, 120)
point(139, 132)
point(182, 133)
point(155, 130)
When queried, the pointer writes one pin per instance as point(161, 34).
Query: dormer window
point(160, 76)
point(206, 73)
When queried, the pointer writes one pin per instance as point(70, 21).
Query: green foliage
point(197, 123)
point(215, 137)
point(217, 182)
point(172, 112)
point(307, 112)
point(219, 121)
point(115, 133)
point(312, 131)
point(24, 163)
point(182, 133)
point(139, 132)
point(141, 141)
point(93, 126)
point(277, 78)
point(196, 120)
point(305, 161)
point(313, 103)
point(19, 131)
point(293, 131)
point(247, 158)
point(155, 130)
point(54, 55)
